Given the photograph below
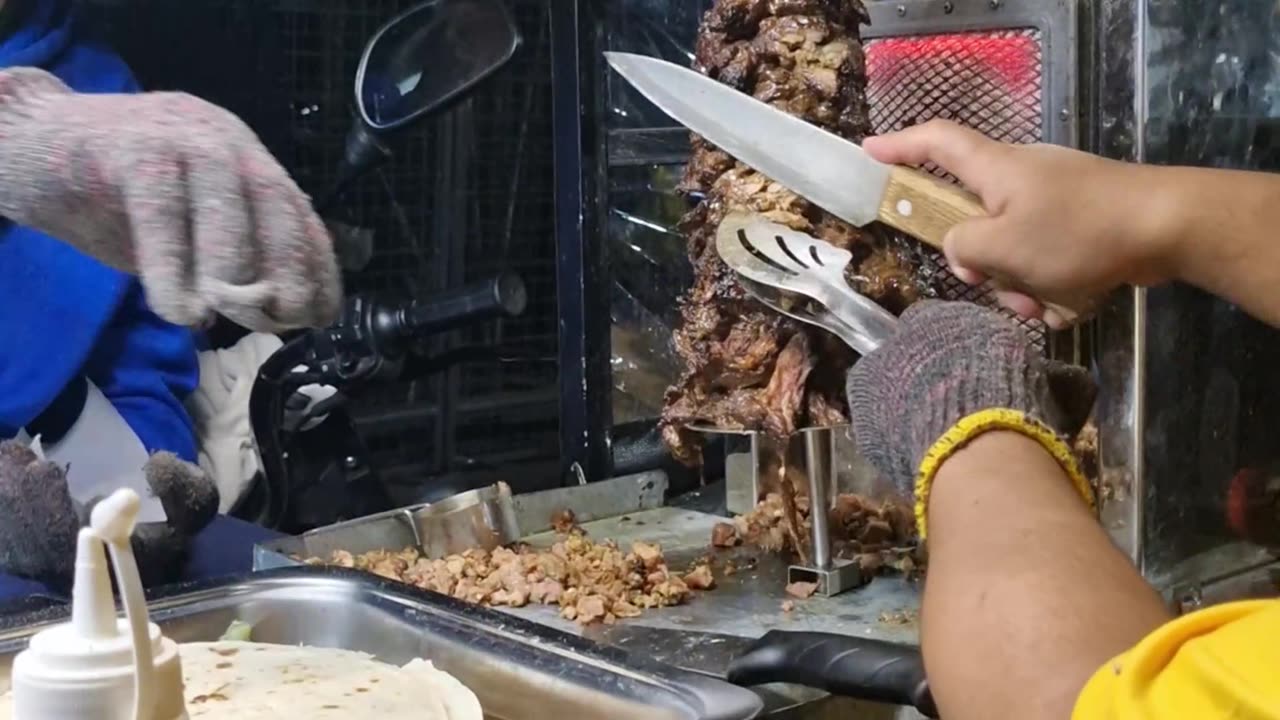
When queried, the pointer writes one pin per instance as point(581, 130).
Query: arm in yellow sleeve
point(1220, 662)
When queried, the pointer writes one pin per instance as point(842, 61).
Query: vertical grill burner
point(1006, 68)
point(990, 80)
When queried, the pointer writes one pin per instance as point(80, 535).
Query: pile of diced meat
point(589, 581)
point(877, 535)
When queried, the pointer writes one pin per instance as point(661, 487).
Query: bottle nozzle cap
point(99, 667)
point(114, 518)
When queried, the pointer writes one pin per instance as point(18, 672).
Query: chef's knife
point(826, 169)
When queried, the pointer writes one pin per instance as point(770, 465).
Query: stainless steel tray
point(518, 669)
point(484, 518)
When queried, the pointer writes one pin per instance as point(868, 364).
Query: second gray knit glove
point(952, 372)
point(39, 521)
point(171, 188)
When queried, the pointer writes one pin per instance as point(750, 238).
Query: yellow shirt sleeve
point(1220, 662)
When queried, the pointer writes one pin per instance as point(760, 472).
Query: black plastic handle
point(502, 296)
point(859, 668)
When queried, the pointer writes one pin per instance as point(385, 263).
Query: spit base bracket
point(841, 576)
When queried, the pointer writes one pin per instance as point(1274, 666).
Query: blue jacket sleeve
point(146, 367)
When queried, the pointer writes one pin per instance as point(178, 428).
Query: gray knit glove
point(953, 372)
point(171, 188)
point(39, 521)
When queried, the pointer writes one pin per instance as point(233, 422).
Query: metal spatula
point(778, 257)
point(795, 306)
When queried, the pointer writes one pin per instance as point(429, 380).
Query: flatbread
point(257, 681)
point(249, 681)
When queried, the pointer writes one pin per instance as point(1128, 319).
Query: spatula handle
point(926, 208)
point(854, 667)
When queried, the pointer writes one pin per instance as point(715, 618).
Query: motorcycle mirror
point(416, 64)
point(430, 55)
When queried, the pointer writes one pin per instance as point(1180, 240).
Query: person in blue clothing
point(106, 333)
point(128, 217)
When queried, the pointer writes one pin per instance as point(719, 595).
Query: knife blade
point(821, 166)
point(833, 173)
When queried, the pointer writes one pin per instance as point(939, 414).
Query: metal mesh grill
point(988, 80)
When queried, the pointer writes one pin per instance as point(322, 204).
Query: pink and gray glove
point(171, 188)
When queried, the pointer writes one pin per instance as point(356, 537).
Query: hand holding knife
point(828, 170)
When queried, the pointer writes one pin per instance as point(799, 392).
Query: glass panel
point(658, 28)
point(649, 270)
point(647, 151)
point(1213, 373)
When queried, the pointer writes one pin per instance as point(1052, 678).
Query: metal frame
point(449, 223)
point(1131, 420)
point(581, 267)
point(1116, 84)
point(1057, 21)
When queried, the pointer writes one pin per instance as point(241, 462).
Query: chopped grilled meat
point(590, 582)
point(745, 367)
point(869, 563)
point(1086, 448)
point(563, 521)
point(792, 521)
point(878, 536)
point(700, 578)
point(724, 535)
point(802, 590)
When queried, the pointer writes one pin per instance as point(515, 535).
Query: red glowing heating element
point(988, 80)
point(1253, 506)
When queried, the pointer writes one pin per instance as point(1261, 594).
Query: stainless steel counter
point(705, 633)
point(700, 635)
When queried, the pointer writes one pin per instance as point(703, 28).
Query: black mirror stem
point(362, 152)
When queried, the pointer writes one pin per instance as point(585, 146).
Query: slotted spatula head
point(779, 257)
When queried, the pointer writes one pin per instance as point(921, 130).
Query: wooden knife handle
point(926, 208)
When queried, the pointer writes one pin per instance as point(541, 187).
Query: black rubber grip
point(501, 296)
point(859, 668)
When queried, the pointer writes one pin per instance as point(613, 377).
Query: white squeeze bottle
point(99, 666)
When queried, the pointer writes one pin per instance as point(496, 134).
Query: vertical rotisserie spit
point(745, 366)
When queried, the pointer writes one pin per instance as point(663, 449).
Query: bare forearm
point(1222, 229)
point(1026, 595)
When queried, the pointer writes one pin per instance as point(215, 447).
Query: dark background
point(467, 194)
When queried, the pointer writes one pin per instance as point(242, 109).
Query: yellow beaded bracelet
point(983, 421)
